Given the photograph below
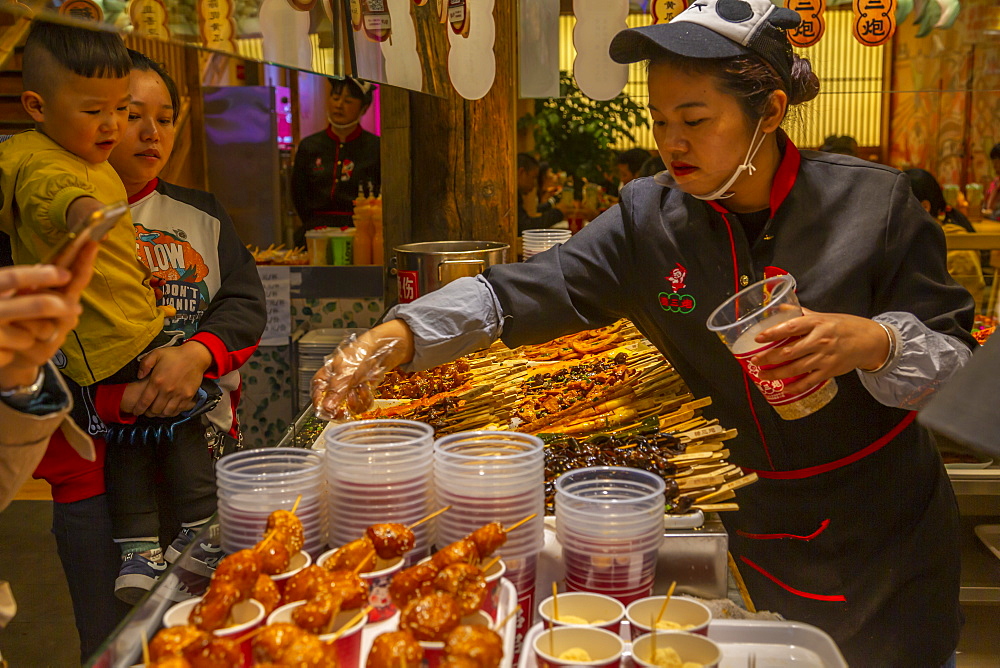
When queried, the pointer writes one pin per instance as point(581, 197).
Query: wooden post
point(448, 164)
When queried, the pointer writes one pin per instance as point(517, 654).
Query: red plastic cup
point(602, 646)
point(347, 645)
point(595, 610)
point(688, 646)
point(247, 615)
point(683, 613)
point(434, 650)
point(491, 602)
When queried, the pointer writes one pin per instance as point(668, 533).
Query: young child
point(76, 89)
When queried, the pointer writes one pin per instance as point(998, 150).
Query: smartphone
point(93, 228)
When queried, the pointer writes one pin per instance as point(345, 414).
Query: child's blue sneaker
point(138, 574)
point(203, 557)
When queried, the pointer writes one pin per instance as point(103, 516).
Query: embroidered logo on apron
point(675, 302)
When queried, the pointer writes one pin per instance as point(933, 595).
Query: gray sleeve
point(457, 319)
point(923, 360)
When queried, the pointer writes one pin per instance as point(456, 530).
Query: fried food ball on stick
point(391, 540)
point(240, 569)
point(306, 583)
point(460, 552)
point(394, 649)
point(431, 617)
point(170, 662)
point(267, 593)
point(488, 539)
point(288, 645)
point(172, 641)
point(315, 614)
point(289, 527)
point(457, 662)
point(466, 583)
point(351, 587)
point(358, 555)
point(480, 644)
point(217, 653)
point(212, 611)
point(274, 556)
point(271, 640)
point(412, 582)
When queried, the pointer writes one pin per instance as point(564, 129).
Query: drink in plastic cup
point(749, 312)
point(342, 249)
point(689, 647)
point(603, 647)
point(683, 613)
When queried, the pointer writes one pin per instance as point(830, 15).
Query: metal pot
point(424, 267)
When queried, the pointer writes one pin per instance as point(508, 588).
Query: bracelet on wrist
point(892, 349)
point(26, 391)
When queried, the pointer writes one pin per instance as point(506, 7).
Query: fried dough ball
point(239, 569)
point(457, 662)
point(306, 583)
point(272, 639)
point(172, 641)
point(488, 539)
point(431, 617)
point(315, 614)
point(267, 593)
point(274, 555)
point(466, 583)
point(391, 540)
point(308, 651)
point(358, 555)
point(460, 552)
point(212, 611)
point(217, 653)
point(351, 587)
point(412, 582)
point(170, 662)
point(480, 644)
point(391, 650)
point(286, 523)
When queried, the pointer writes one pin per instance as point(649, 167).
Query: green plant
point(575, 134)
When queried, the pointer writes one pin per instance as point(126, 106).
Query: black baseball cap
point(716, 29)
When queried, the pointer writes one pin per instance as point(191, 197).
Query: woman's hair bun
point(805, 83)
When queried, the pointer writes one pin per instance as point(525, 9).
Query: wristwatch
point(24, 393)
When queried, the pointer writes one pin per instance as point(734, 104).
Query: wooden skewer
point(652, 635)
point(145, 649)
point(250, 634)
point(516, 525)
point(428, 518)
point(740, 584)
point(357, 569)
point(552, 638)
point(351, 622)
point(663, 608)
point(489, 564)
point(295, 506)
point(555, 601)
point(506, 619)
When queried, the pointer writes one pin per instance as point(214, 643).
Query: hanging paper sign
point(458, 17)
point(597, 22)
point(356, 20)
point(149, 18)
point(874, 21)
point(813, 23)
point(665, 10)
point(443, 10)
point(85, 10)
point(302, 5)
point(376, 21)
point(216, 25)
point(472, 65)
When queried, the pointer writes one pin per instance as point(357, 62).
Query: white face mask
point(665, 179)
point(342, 128)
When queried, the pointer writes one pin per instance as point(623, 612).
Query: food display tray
point(773, 644)
point(989, 534)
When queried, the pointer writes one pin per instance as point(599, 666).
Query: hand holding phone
point(93, 228)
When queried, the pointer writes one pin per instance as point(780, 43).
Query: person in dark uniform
point(333, 166)
point(853, 525)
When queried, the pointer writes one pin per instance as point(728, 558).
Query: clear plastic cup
point(739, 319)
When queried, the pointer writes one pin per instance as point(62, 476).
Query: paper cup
point(247, 615)
point(434, 650)
point(595, 610)
point(347, 646)
point(739, 319)
point(602, 646)
point(298, 561)
point(491, 602)
point(689, 647)
point(690, 615)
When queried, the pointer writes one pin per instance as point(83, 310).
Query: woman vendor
point(333, 166)
point(853, 525)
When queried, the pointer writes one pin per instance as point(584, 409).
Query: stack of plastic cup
point(254, 483)
point(536, 241)
point(380, 471)
point(495, 476)
point(609, 521)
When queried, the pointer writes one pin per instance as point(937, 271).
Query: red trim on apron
point(777, 536)
point(811, 471)
point(793, 590)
